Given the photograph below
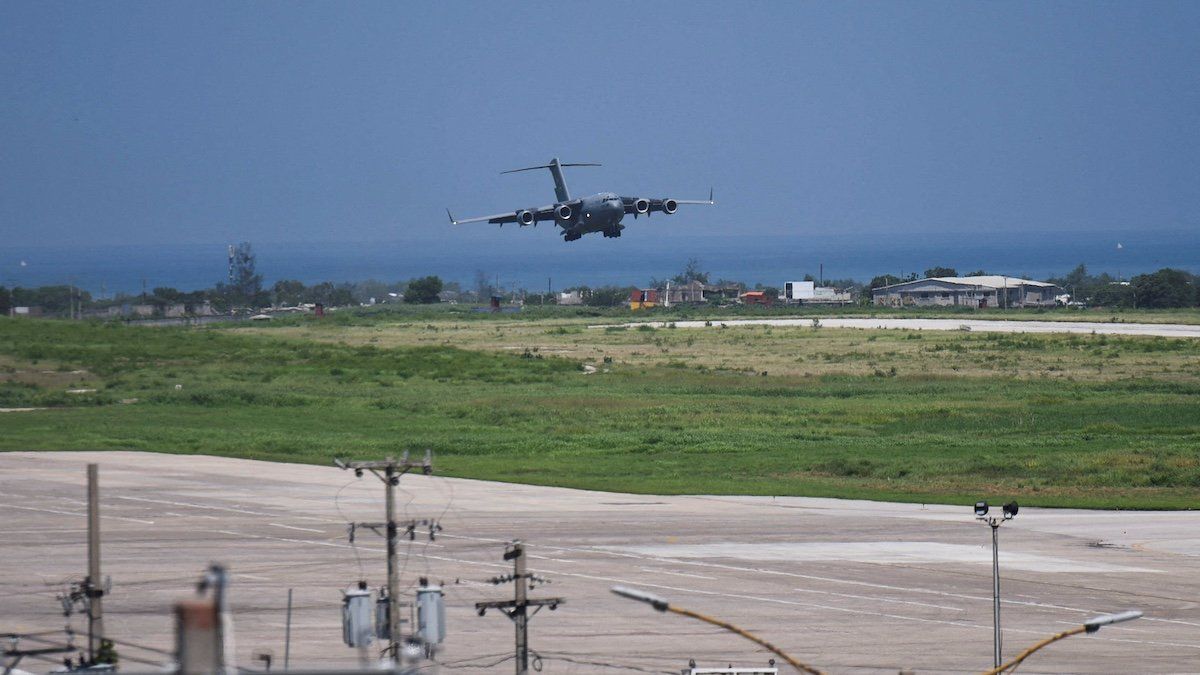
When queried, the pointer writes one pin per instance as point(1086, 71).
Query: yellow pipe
point(749, 636)
point(1025, 654)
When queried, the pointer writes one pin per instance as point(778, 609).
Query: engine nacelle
point(641, 205)
point(563, 212)
point(525, 217)
point(670, 206)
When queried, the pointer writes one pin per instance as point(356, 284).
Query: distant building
point(799, 290)
point(757, 298)
point(729, 291)
point(678, 294)
point(984, 291)
point(807, 292)
point(572, 298)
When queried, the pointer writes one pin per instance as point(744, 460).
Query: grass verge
point(519, 415)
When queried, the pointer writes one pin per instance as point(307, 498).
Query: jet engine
point(641, 205)
point(670, 206)
point(525, 217)
point(563, 212)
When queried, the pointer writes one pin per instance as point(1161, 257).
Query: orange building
point(643, 298)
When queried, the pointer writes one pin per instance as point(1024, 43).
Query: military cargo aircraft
point(600, 212)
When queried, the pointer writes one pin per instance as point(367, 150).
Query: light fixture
point(1010, 510)
point(1093, 625)
point(981, 509)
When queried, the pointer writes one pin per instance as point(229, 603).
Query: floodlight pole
point(981, 513)
point(995, 523)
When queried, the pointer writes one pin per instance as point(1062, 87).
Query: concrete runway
point(849, 586)
point(985, 325)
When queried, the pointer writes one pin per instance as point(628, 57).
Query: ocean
point(536, 259)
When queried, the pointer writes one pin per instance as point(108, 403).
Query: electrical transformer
point(356, 616)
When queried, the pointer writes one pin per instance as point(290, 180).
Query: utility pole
point(517, 608)
point(392, 470)
point(85, 596)
point(93, 586)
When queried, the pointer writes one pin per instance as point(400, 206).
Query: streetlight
point(981, 513)
point(1090, 626)
point(662, 605)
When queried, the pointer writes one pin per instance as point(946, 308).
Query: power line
point(126, 643)
point(458, 663)
point(337, 505)
point(480, 665)
point(603, 664)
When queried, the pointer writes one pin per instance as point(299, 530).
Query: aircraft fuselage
point(597, 213)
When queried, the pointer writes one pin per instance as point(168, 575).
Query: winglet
point(710, 196)
point(452, 220)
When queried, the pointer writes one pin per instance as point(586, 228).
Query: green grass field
point(950, 417)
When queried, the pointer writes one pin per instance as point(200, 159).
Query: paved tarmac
point(849, 586)
point(985, 325)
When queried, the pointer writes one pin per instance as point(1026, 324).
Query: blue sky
point(208, 122)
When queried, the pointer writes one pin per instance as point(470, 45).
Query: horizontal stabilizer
point(547, 166)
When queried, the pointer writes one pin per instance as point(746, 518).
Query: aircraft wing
point(657, 204)
point(539, 214)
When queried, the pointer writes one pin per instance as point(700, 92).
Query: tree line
point(1166, 288)
point(243, 290)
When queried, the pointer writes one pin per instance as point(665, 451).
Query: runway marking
point(735, 568)
point(678, 574)
point(326, 543)
point(78, 515)
point(853, 611)
point(909, 589)
point(875, 598)
point(198, 506)
point(291, 541)
point(1185, 623)
point(64, 530)
point(1108, 629)
point(293, 527)
point(833, 608)
point(984, 325)
point(889, 553)
point(780, 601)
point(243, 575)
point(1190, 645)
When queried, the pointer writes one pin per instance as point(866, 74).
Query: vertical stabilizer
point(560, 184)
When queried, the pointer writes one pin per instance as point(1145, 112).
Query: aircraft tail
point(560, 184)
